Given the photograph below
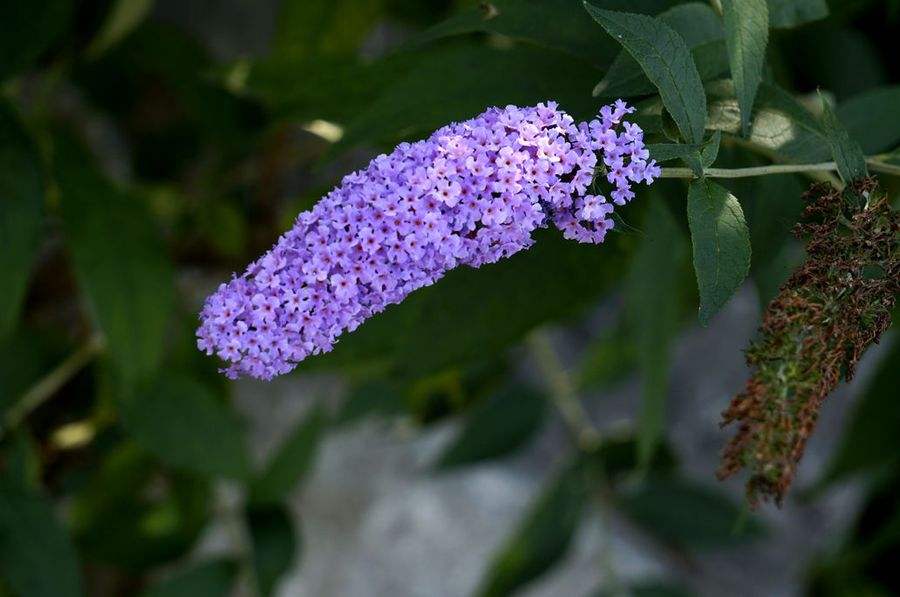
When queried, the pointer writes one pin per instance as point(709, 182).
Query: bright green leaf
point(654, 313)
point(182, 423)
point(208, 579)
point(542, 537)
point(746, 37)
point(721, 244)
point(21, 213)
point(275, 545)
point(291, 462)
point(496, 427)
point(37, 558)
point(667, 62)
point(688, 515)
point(120, 263)
point(847, 154)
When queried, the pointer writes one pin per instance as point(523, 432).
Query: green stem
point(874, 165)
point(47, 386)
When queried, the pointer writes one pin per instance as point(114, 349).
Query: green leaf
point(21, 462)
point(307, 29)
point(608, 358)
point(454, 82)
point(123, 17)
point(182, 423)
point(496, 427)
point(21, 213)
point(571, 30)
point(370, 398)
point(721, 244)
point(701, 29)
point(870, 440)
point(37, 558)
point(135, 515)
point(688, 515)
point(120, 263)
point(784, 14)
point(654, 313)
point(291, 462)
point(746, 37)
point(542, 537)
point(667, 62)
point(208, 579)
point(872, 118)
point(275, 545)
point(847, 154)
point(29, 29)
point(649, 589)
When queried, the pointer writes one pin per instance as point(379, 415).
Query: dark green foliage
point(148, 148)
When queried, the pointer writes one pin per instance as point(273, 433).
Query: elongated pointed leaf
point(21, 213)
point(721, 244)
point(291, 461)
point(847, 154)
point(37, 558)
point(873, 118)
point(667, 62)
point(784, 14)
point(501, 424)
point(654, 313)
point(181, 422)
point(120, 262)
point(542, 537)
point(275, 545)
point(746, 36)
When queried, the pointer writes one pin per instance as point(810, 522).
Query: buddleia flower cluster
point(471, 194)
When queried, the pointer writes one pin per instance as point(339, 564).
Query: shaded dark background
point(148, 149)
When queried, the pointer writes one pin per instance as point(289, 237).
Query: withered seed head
point(833, 307)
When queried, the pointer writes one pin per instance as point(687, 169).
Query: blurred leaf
point(543, 535)
point(29, 28)
point(21, 213)
point(648, 589)
point(36, 555)
point(134, 515)
point(123, 17)
point(120, 263)
point(746, 37)
point(869, 440)
point(654, 314)
point(369, 398)
point(496, 427)
point(459, 81)
point(688, 515)
point(667, 62)
point(292, 461)
point(472, 314)
point(848, 155)
point(701, 29)
point(608, 358)
point(309, 28)
point(182, 423)
point(27, 355)
point(20, 465)
point(275, 546)
point(616, 458)
point(556, 24)
point(784, 14)
point(208, 579)
point(873, 119)
point(721, 244)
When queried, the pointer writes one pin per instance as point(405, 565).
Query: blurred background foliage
point(141, 163)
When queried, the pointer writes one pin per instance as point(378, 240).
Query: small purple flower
point(472, 193)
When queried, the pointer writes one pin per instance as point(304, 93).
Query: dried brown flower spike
point(813, 333)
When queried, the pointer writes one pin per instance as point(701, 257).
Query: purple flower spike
point(470, 194)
